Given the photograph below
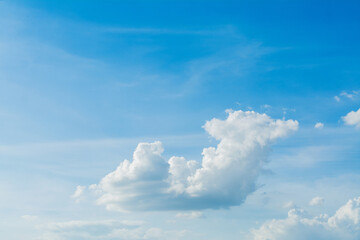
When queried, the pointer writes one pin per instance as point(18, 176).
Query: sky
point(196, 120)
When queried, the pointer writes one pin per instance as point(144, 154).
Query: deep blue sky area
point(183, 57)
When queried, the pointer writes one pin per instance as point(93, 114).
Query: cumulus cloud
point(319, 125)
point(105, 230)
point(352, 118)
point(316, 201)
point(224, 177)
point(343, 225)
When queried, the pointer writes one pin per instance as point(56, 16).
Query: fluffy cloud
point(352, 118)
point(226, 175)
point(343, 225)
point(105, 230)
point(319, 125)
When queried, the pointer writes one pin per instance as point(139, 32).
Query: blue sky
point(82, 83)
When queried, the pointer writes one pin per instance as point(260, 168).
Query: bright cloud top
point(226, 175)
point(343, 225)
point(352, 118)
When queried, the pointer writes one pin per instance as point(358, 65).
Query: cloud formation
point(190, 215)
point(352, 118)
point(343, 225)
point(349, 95)
point(226, 175)
point(105, 230)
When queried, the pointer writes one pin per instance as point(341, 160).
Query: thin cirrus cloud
point(190, 215)
point(105, 229)
point(343, 225)
point(226, 175)
point(349, 95)
point(167, 31)
point(352, 118)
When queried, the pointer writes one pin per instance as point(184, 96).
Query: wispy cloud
point(221, 30)
point(352, 95)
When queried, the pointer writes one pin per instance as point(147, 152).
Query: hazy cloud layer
point(226, 175)
point(105, 229)
point(343, 225)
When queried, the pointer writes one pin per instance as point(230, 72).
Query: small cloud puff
point(79, 192)
point(226, 175)
point(316, 201)
point(319, 125)
point(352, 118)
point(190, 215)
point(343, 225)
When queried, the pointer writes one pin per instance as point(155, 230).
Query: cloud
point(289, 204)
point(105, 229)
point(352, 118)
point(190, 215)
point(319, 125)
point(78, 193)
point(163, 31)
point(78, 225)
point(226, 175)
point(349, 95)
point(316, 201)
point(343, 225)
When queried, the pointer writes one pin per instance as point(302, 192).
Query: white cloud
point(78, 193)
point(190, 215)
point(316, 201)
point(226, 175)
point(343, 225)
point(352, 118)
point(349, 95)
point(319, 125)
